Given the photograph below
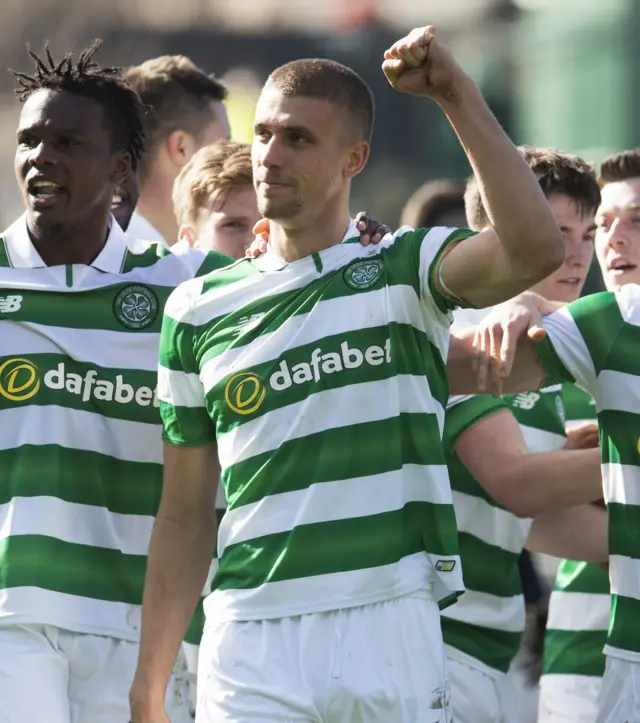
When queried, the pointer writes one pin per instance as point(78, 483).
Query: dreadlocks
point(84, 76)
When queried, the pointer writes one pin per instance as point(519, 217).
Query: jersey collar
point(23, 255)
point(270, 261)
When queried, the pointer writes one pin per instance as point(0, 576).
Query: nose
point(271, 153)
point(617, 233)
point(42, 155)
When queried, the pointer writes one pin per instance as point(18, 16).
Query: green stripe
point(624, 526)
point(494, 648)
point(92, 309)
point(599, 322)
point(101, 398)
point(5, 261)
point(578, 404)
point(624, 631)
point(554, 369)
point(463, 481)
point(91, 572)
point(186, 426)
point(337, 546)
point(196, 626)
point(222, 277)
point(465, 414)
point(619, 434)
point(444, 303)
point(488, 568)
point(148, 258)
point(546, 413)
point(570, 652)
point(213, 261)
point(624, 352)
point(177, 350)
point(374, 448)
point(86, 478)
point(582, 577)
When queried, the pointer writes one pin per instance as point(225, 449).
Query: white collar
point(142, 229)
point(270, 261)
point(23, 255)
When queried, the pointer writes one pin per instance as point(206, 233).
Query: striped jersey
point(323, 382)
point(485, 627)
point(81, 444)
point(595, 342)
point(579, 604)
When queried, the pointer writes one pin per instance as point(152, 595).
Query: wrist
point(462, 91)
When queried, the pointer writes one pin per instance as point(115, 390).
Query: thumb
point(536, 333)
point(393, 69)
point(262, 228)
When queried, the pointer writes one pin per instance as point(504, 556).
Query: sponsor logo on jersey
point(247, 323)
point(21, 379)
point(363, 274)
point(526, 400)
point(246, 391)
point(136, 306)
point(445, 565)
point(9, 304)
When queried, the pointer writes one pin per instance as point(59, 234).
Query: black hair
point(106, 85)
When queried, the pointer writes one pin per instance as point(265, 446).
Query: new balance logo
point(526, 400)
point(10, 303)
point(246, 323)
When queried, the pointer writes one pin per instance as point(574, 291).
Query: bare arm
point(577, 533)
point(495, 453)
point(180, 554)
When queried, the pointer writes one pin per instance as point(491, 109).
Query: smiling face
point(578, 229)
point(618, 233)
point(65, 164)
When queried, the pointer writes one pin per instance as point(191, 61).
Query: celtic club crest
point(363, 274)
point(136, 307)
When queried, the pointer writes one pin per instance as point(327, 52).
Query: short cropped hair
point(557, 173)
point(620, 167)
point(431, 202)
point(331, 81)
point(210, 175)
point(177, 94)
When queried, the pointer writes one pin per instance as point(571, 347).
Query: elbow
point(550, 253)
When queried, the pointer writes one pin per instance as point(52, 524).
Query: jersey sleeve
point(465, 411)
point(579, 340)
point(180, 392)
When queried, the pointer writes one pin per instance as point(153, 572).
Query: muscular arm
point(577, 533)
point(495, 453)
point(180, 554)
point(525, 244)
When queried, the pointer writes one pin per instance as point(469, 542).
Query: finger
point(365, 239)
point(376, 238)
point(393, 69)
point(362, 220)
point(507, 352)
point(482, 361)
point(536, 333)
point(495, 343)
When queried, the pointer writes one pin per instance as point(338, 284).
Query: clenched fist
point(420, 65)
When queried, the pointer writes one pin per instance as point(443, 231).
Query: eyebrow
point(302, 130)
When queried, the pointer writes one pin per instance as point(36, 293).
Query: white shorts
point(619, 699)
point(479, 698)
point(381, 663)
point(54, 675)
point(565, 698)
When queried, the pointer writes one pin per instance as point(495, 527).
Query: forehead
point(239, 203)
point(277, 110)
point(567, 210)
point(59, 109)
point(620, 195)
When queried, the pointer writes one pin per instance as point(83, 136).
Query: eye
point(68, 142)
point(298, 138)
point(263, 134)
point(235, 225)
point(27, 141)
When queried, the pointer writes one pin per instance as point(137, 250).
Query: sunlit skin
point(618, 233)
point(303, 162)
point(126, 199)
point(228, 227)
point(67, 171)
point(578, 230)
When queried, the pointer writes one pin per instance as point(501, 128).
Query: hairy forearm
point(179, 558)
point(577, 533)
point(511, 195)
point(546, 481)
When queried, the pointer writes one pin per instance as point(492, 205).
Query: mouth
point(571, 281)
point(44, 192)
point(620, 267)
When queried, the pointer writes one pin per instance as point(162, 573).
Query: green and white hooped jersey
point(485, 627)
point(595, 342)
point(323, 382)
point(579, 605)
point(81, 450)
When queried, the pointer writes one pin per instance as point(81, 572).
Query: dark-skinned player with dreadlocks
point(81, 452)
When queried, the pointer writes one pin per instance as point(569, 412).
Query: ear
point(120, 167)
point(358, 155)
point(180, 147)
point(186, 232)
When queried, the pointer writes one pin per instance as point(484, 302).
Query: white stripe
point(110, 349)
point(333, 501)
point(571, 348)
point(628, 299)
point(35, 605)
point(488, 611)
point(618, 391)
point(331, 317)
point(330, 409)
point(539, 440)
point(76, 523)
point(490, 524)
point(180, 389)
point(76, 429)
point(578, 611)
point(624, 573)
point(621, 483)
point(310, 594)
point(429, 248)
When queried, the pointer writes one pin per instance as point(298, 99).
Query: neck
point(292, 243)
point(156, 205)
point(58, 245)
